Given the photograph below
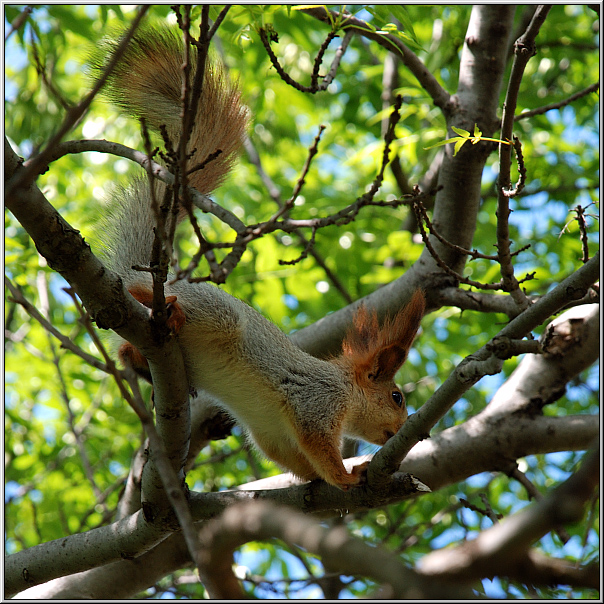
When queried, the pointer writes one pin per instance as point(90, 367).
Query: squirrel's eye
point(397, 397)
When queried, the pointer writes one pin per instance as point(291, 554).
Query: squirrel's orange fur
point(296, 408)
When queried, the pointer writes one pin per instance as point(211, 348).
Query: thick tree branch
point(468, 449)
point(476, 366)
point(123, 539)
point(444, 459)
point(102, 292)
point(466, 299)
point(503, 546)
point(166, 455)
point(117, 580)
point(571, 344)
point(338, 550)
point(104, 296)
point(538, 569)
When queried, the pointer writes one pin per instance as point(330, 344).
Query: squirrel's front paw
point(357, 476)
point(360, 472)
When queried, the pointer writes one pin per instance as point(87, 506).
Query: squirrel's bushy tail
point(126, 231)
point(147, 83)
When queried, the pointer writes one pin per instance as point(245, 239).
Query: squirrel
point(295, 408)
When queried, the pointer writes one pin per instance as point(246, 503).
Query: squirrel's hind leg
point(129, 354)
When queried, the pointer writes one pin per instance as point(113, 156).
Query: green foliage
point(70, 438)
point(382, 16)
point(464, 137)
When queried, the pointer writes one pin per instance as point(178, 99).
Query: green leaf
point(461, 131)
point(459, 144)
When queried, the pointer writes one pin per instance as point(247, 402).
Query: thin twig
point(162, 244)
point(517, 145)
point(474, 254)
point(524, 49)
point(66, 342)
point(488, 511)
point(19, 21)
point(534, 493)
point(86, 465)
point(331, 74)
point(506, 348)
point(38, 164)
point(559, 105)
point(426, 78)
point(275, 195)
point(344, 216)
point(189, 116)
point(583, 232)
point(312, 151)
point(499, 285)
point(41, 71)
point(203, 202)
point(307, 249)
point(218, 21)
point(315, 86)
point(314, 78)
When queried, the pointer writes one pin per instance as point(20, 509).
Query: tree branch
point(81, 551)
point(425, 77)
point(203, 202)
point(19, 21)
point(524, 49)
point(37, 164)
point(502, 548)
point(476, 366)
point(103, 295)
point(275, 195)
point(444, 459)
point(66, 252)
point(315, 86)
point(558, 105)
point(65, 341)
point(571, 344)
point(338, 550)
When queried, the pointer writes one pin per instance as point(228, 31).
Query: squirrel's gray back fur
point(218, 326)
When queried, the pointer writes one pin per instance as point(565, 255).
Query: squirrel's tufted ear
point(377, 353)
point(388, 361)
